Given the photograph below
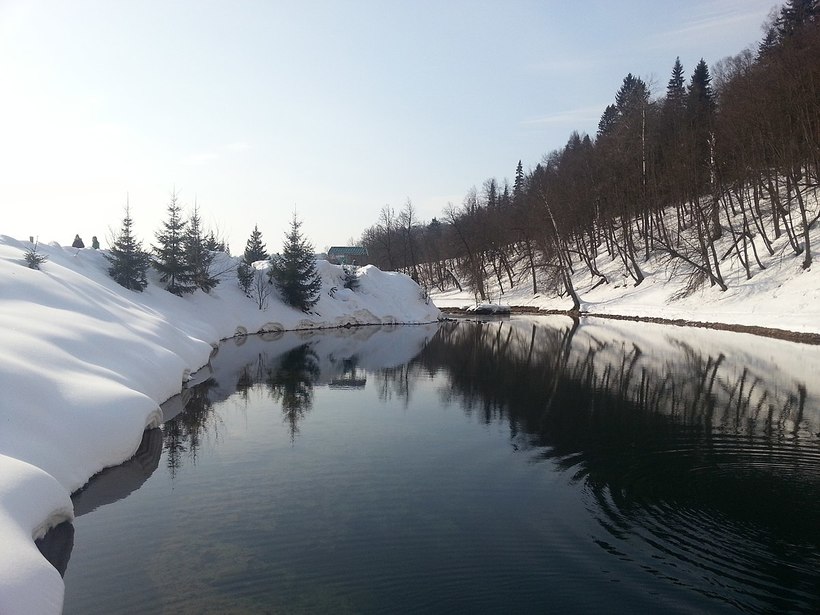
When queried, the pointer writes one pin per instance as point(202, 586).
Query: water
point(514, 466)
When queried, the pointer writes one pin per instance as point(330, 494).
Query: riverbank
point(85, 365)
point(778, 298)
point(812, 339)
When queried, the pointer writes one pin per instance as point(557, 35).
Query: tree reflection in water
point(696, 464)
point(289, 379)
point(183, 433)
point(290, 382)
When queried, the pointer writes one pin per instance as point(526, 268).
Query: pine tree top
point(255, 249)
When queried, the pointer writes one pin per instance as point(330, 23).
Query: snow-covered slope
point(782, 296)
point(85, 363)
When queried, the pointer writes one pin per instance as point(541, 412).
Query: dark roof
point(347, 251)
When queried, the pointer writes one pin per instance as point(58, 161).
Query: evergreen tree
point(700, 109)
point(631, 102)
point(670, 136)
point(574, 143)
point(769, 43)
point(294, 271)
point(504, 199)
point(169, 253)
point(675, 89)
point(244, 277)
point(795, 15)
point(214, 244)
point(633, 96)
point(701, 115)
point(128, 262)
point(491, 192)
point(34, 258)
point(197, 257)
point(255, 248)
point(518, 184)
point(608, 119)
point(350, 276)
point(701, 98)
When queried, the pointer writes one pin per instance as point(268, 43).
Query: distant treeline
point(731, 156)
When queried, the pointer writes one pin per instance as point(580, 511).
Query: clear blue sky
point(255, 108)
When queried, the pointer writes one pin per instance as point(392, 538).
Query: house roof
point(347, 251)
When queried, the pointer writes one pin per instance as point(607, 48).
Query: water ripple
point(725, 517)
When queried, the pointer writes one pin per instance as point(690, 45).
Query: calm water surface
point(515, 466)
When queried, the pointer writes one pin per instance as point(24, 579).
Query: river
point(532, 464)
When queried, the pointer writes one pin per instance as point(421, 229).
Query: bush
point(350, 276)
point(33, 258)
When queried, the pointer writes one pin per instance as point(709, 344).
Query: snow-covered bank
point(782, 296)
point(85, 363)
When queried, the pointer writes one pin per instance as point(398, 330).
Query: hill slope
point(782, 296)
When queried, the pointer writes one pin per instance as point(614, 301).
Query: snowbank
point(85, 363)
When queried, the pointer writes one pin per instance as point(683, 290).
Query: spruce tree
point(34, 258)
point(701, 97)
point(632, 96)
point(608, 120)
point(671, 134)
point(675, 89)
point(518, 184)
point(700, 109)
point(169, 253)
point(768, 45)
point(244, 277)
point(504, 199)
point(796, 15)
point(214, 244)
point(197, 256)
point(294, 271)
point(255, 248)
point(701, 115)
point(350, 277)
point(128, 262)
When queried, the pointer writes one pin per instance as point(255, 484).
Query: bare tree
point(260, 289)
point(408, 225)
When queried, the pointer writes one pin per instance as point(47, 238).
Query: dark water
point(520, 466)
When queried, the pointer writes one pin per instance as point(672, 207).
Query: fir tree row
point(182, 255)
point(293, 272)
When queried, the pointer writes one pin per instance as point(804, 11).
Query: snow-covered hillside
point(782, 296)
point(85, 363)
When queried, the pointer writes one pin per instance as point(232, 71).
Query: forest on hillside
point(732, 153)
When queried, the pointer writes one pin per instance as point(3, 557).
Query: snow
point(85, 365)
point(782, 296)
point(490, 309)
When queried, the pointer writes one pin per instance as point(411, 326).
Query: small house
point(348, 255)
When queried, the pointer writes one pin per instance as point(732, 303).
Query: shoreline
point(812, 339)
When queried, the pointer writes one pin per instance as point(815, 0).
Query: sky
point(255, 110)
